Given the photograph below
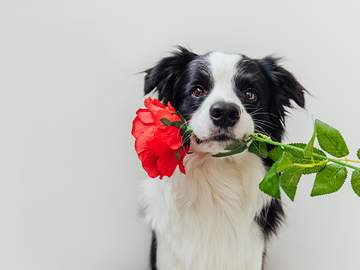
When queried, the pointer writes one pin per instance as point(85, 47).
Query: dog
point(215, 217)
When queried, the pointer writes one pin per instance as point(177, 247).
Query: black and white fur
point(215, 217)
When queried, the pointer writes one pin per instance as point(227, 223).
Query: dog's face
point(225, 97)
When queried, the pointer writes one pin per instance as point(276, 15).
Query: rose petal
point(173, 138)
point(143, 140)
point(154, 104)
point(145, 116)
point(170, 108)
point(139, 127)
point(149, 163)
point(167, 165)
point(167, 138)
point(167, 114)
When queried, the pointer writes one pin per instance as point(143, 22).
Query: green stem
point(351, 160)
point(263, 138)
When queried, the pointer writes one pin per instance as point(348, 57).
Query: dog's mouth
point(221, 137)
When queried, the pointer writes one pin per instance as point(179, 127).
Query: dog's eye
point(250, 96)
point(199, 92)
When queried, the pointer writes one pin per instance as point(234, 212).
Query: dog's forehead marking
point(223, 69)
point(223, 66)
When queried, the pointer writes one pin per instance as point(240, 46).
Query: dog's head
point(225, 96)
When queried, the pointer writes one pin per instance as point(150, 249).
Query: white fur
point(204, 220)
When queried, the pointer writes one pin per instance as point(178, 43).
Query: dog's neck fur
point(206, 218)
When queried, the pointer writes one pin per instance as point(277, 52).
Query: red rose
point(159, 147)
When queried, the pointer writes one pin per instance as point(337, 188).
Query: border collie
point(215, 217)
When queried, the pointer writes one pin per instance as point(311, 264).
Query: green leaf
point(315, 167)
point(289, 180)
point(355, 181)
point(309, 148)
point(285, 162)
point(277, 152)
point(239, 149)
point(259, 148)
point(329, 180)
point(234, 145)
point(330, 139)
point(167, 122)
point(270, 184)
point(358, 154)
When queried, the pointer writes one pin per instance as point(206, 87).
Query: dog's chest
point(205, 220)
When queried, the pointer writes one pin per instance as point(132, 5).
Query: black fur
point(270, 218)
point(153, 251)
point(175, 76)
point(165, 76)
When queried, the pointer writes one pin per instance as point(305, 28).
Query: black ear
point(164, 76)
point(285, 84)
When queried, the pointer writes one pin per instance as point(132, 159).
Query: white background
point(69, 89)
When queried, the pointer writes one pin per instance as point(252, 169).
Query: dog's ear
point(164, 76)
point(286, 86)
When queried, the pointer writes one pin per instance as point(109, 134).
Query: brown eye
point(199, 92)
point(250, 96)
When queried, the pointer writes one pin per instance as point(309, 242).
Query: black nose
point(224, 114)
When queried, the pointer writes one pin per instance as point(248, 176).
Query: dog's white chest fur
point(204, 220)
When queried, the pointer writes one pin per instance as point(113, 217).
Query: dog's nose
point(224, 114)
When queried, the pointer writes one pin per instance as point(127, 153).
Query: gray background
point(69, 90)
